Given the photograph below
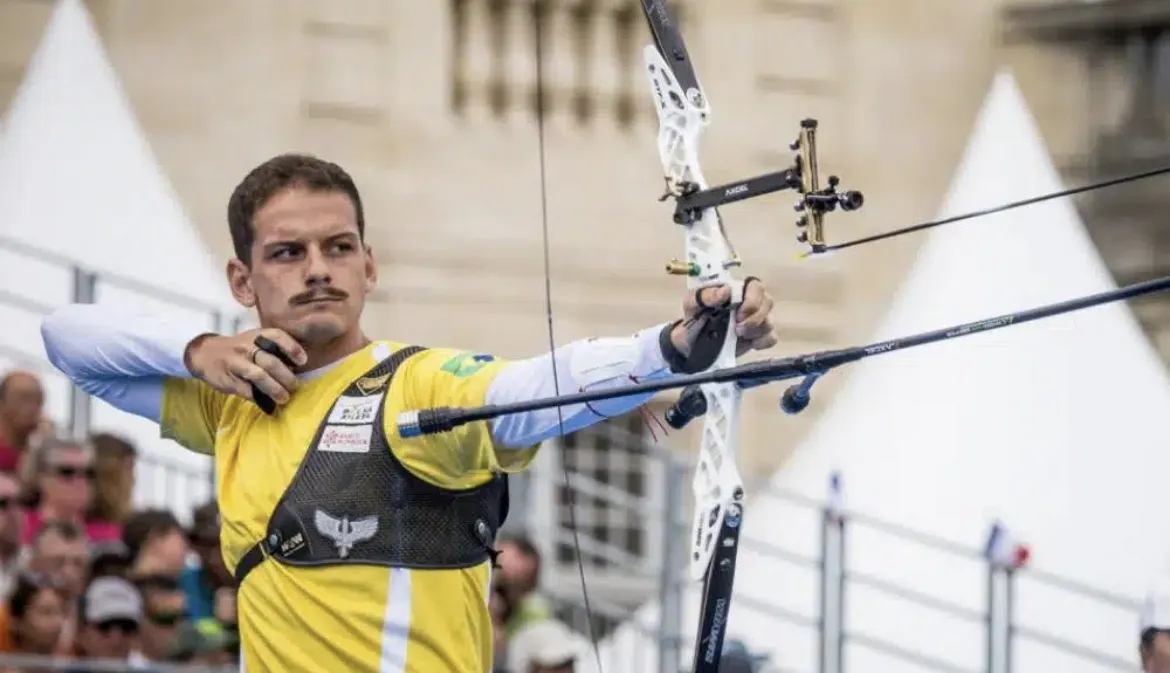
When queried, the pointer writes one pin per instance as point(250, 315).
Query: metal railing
point(37, 283)
point(30, 663)
point(946, 608)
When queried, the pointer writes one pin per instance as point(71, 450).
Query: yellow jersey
point(348, 617)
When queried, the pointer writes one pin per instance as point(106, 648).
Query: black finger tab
point(269, 346)
point(262, 400)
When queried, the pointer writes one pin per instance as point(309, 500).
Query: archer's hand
point(753, 320)
point(230, 363)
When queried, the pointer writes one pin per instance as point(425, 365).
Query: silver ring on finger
point(255, 352)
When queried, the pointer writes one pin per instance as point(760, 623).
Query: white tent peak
point(1027, 256)
point(78, 177)
point(1056, 428)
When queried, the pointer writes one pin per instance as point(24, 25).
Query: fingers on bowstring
point(764, 342)
point(753, 319)
point(250, 372)
point(756, 299)
point(276, 369)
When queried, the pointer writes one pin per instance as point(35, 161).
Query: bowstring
point(538, 16)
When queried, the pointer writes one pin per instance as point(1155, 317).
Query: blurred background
point(886, 524)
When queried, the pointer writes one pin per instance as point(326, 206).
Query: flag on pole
point(1003, 550)
point(836, 503)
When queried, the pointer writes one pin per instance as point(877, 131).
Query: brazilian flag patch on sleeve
point(466, 364)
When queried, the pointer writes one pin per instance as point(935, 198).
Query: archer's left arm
point(468, 455)
point(586, 365)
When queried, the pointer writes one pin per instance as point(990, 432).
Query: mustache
point(321, 293)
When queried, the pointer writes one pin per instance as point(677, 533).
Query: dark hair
point(104, 442)
point(25, 590)
point(109, 559)
point(143, 525)
point(275, 175)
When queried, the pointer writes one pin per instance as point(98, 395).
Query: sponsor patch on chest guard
point(355, 410)
point(346, 438)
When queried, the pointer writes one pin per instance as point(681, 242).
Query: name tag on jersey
point(355, 410)
point(346, 438)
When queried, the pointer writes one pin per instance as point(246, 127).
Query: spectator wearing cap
point(209, 587)
point(11, 523)
point(737, 658)
point(164, 607)
point(37, 612)
point(156, 544)
point(63, 491)
point(1154, 642)
point(545, 646)
point(22, 403)
point(111, 617)
point(114, 460)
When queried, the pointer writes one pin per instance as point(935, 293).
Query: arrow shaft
point(763, 372)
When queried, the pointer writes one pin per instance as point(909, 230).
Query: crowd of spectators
point(530, 640)
point(84, 577)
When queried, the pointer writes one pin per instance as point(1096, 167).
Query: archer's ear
point(239, 278)
point(371, 270)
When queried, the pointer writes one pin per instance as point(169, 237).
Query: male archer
point(355, 549)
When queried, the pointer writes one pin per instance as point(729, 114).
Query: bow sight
point(803, 177)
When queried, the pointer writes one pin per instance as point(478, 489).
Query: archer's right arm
point(134, 362)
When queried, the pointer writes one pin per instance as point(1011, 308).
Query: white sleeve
point(587, 365)
point(117, 356)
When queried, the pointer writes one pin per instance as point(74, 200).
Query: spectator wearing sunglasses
point(164, 609)
point(63, 492)
point(111, 619)
point(11, 523)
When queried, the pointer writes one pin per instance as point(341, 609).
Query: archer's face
point(310, 271)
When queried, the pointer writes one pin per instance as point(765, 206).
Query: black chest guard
point(352, 501)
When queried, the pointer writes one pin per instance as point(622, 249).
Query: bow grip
point(262, 400)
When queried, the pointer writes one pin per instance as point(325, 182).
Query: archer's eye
point(285, 253)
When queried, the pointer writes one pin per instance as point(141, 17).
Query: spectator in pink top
point(63, 491)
